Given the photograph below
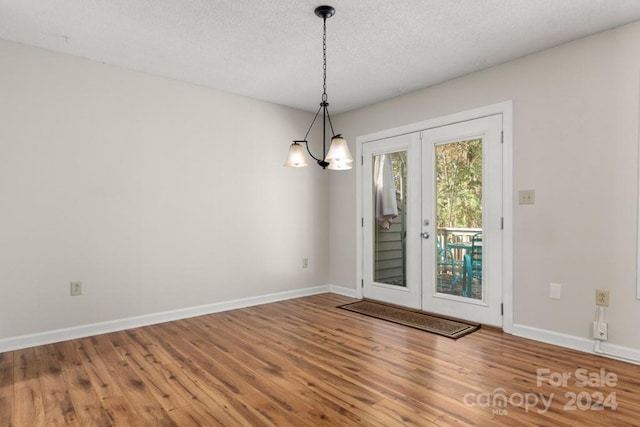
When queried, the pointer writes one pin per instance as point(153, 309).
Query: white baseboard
point(25, 341)
point(347, 292)
point(15, 343)
point(613, 351)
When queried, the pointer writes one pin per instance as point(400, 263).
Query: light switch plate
point(527, 197)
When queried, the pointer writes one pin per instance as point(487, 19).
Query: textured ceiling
point(272, 50)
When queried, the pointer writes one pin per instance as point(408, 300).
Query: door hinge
point(501, 137)
point(361, 160)
point(502, 223)
point(362, 222)
point(501, 309)
point(362, 283)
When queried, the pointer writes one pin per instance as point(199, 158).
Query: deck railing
point(455, 235)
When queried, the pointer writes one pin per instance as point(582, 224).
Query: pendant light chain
point(324, 60)
point(325, 104)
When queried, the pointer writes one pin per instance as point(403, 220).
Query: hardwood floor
point(304, 362)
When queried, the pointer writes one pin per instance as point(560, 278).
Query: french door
point(432, 213)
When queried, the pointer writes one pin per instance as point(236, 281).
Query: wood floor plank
point(216, 393)
point(304, 362)
point(7, 399)
point(370, 375)
point(99, 374)
point(243, 380)
point(143, 365)
point(87, 406)
point(310, 359)
point(137, 391)
point(28, 408)
point(264, 363)
point(206, 408)
point(112, 397)
point(333, 393)
point(57, 403)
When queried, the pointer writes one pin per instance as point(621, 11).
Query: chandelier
point(338, 157)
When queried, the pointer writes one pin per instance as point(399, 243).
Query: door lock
point(424, 234)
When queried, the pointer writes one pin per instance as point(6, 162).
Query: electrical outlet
point(305, 262)
point(602, 297)
point(76, 289)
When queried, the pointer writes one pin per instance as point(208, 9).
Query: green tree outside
point(459, 184)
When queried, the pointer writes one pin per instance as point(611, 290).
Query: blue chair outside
point(476, 256)
point(446, 262)
point(472, 269)
point(467, 276)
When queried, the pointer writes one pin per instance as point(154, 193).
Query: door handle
point(424, 234)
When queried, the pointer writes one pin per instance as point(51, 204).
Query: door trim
point(504, 108)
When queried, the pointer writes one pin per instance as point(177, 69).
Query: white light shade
point(341, 165)
point(339, 151)
point(296, 158)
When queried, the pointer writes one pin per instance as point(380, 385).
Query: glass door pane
point(390, 225)
point(459, 218)
point(392, 263)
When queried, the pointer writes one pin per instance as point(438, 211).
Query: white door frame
point(504, 108)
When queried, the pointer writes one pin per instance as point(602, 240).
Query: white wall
point(576, 111)
point(156, 194)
